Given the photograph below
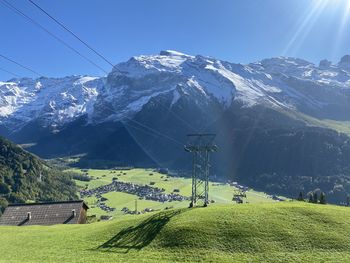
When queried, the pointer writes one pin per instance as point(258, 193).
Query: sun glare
point(312, 15)
point(348, 6)
point(305, 25)
point(343, 24)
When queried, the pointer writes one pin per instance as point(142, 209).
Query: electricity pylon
point(200, 145)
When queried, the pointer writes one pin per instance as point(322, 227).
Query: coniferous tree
point(3, 204)
point(348, 200)
point(311, 197)
point(300, 197)
point(323, 198)
point(315, 198)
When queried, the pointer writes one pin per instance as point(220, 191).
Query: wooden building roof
point(48, 213)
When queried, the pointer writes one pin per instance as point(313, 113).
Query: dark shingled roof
point(49, 213)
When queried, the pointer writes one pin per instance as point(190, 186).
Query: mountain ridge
point(139, 115)
point(57, 101)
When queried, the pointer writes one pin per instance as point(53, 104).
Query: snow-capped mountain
point(281, 82)
point(271, 81)
point(277, 121)
point(53, 101)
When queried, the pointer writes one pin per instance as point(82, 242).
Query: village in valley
point(121, 191)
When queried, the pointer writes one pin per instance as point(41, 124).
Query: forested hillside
point(24, 177)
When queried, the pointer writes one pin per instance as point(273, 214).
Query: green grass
point(339, 126)
point(220, 193)
point(275, 232)
point(119, 200)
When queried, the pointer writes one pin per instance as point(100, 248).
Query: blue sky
point(239, 31)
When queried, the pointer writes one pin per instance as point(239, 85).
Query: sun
point(348, 6)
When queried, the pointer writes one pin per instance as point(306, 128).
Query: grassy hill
point(275, 232)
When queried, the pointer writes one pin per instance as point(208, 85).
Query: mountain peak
point(133, 83)
point(171, 53)
point(324, 64)
point(345, 60)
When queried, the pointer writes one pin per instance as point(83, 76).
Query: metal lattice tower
point(200, 145)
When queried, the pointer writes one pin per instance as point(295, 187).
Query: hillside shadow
point(140, 236)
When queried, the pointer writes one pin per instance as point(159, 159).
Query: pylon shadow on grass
point(140, 236)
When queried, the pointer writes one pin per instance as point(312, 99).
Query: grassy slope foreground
point(283, 232)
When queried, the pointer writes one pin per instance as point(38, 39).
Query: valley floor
point(274, 232)
point(220, 193)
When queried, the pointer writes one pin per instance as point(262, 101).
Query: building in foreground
point(48, 213)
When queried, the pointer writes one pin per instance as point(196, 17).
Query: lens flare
point(312, 15)
point(345, 18)
point(343, 26)
point(305, 25)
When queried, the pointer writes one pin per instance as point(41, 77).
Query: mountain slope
point(285, 83)
point(290, 232)
point(51, 101)
point(140, 114)
point(24, 177)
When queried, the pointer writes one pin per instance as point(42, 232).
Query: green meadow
point(264, 232)
point(219, 192)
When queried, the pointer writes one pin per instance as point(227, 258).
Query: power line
point(177, 116)
point(72, 33)
point(128, 124)
point(19, 12)
point(144, 126)
point(155, 131)
point(21, 65)
point(9, 72)
point(97, 53)
point(87, 45)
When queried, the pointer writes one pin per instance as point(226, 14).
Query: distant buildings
point(276, 198)
point(240, 187)
point(141, 191)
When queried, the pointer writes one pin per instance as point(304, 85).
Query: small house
point(48, 213)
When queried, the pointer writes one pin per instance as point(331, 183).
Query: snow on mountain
point(166, 61)
point(141, 78)
point(54, 101)
point(326, 73)
point(278, 82)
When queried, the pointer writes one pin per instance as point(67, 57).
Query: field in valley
point(221, 193)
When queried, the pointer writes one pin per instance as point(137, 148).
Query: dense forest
point(24, 177)
point(289, 161)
